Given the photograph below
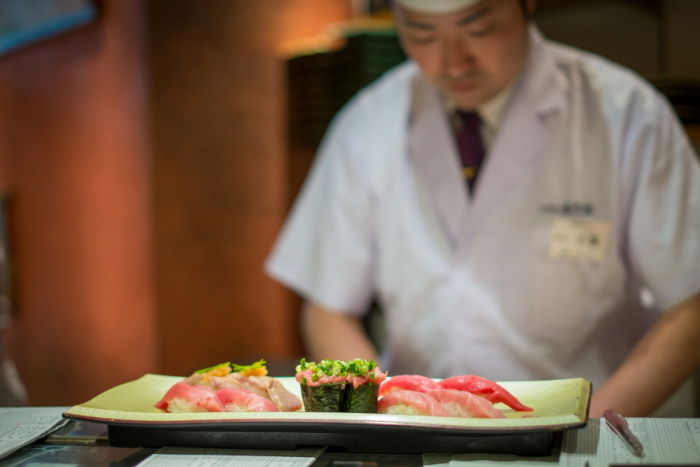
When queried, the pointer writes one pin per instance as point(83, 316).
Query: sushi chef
point(519, 209)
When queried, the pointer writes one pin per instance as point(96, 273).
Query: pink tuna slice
point(240, 400)
point(282, 398)
point(464, 404)
point(485, 388)
point(306, 377)
point(400, 401)
point(264, 386)
point(184, 397)
point(357, 381)
point(408, 382)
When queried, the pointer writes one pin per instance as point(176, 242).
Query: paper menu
point(20, 426)
point(189, 457)
point(665, 440)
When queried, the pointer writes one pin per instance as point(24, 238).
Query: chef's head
point(470, 49)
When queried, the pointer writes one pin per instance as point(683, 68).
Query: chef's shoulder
point(622, 93)
point(381, 103)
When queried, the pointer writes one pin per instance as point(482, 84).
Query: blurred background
point(150, 153)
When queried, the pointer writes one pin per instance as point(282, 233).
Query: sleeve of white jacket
point(664, 216)
point(325, 249)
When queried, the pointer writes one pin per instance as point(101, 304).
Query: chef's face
point(471, 54)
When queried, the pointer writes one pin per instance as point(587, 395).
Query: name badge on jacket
point(573, 238)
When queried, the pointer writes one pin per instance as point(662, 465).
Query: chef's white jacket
point(585, 223)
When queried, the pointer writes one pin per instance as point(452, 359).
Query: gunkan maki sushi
point(364, 378)
point(339, 386)
point(322, 385)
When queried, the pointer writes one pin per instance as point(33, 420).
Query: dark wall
point(653, 37)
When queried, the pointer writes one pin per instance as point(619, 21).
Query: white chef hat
point(436, 6)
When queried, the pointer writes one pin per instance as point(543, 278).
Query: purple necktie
point(471, 149)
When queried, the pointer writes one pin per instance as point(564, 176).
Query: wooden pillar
point(217, 99)
point(73, 116)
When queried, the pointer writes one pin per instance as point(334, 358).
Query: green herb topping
point(253, 366)
point(210, 368)
point(357, 367)
point(254, 369)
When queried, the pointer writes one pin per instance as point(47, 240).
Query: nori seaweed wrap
point(329, 397)
point(322, 385)
point(339, 386)
point(361, 393)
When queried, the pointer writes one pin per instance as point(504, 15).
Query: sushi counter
point(339, 413)
point(41, 436)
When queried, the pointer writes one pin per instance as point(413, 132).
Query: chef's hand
point(331, 335)
point(665, 357)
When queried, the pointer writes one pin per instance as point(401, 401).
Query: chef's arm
point(657, 365)
point(333, 335)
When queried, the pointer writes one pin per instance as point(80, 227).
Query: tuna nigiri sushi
point(231, 388)
point(183, 397)
point(406, 402)
point(491, 390)
point(437, 402)
point(408, 382)
point(464, 404)
point(240, 400)
point(458, 396)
